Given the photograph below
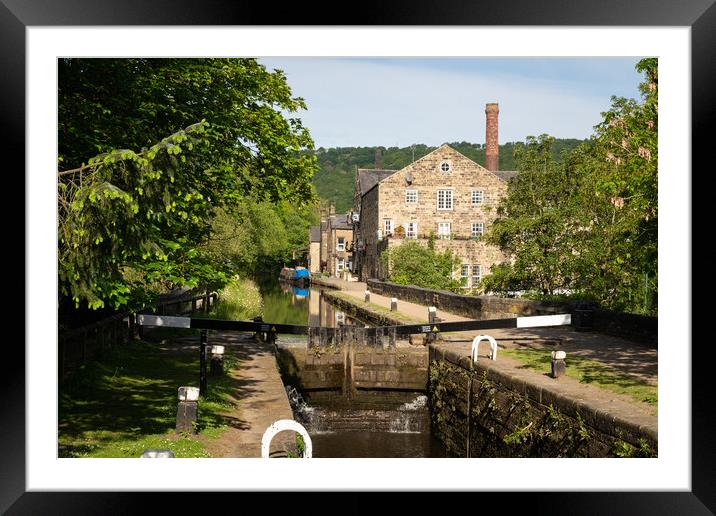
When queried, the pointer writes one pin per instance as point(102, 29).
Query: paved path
point(625, 356)
point(258, 398)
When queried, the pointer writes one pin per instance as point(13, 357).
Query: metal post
point(202, 361)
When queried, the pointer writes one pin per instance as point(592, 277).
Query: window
point(341, 245)
point(445, 166)
point(411, 230)
point(340, 264)
point(444, 230)
point(477, 229)
point(387, 227)
point(411, 196)
point(444, 199)
point(478, 197)
point(464, 273)
point(475, 276)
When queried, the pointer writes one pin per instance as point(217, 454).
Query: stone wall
point(314, 257)
point(512, 417)
point(474, 307)
point(638, 328)
point(368, 235)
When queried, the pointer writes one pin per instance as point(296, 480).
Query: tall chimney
point(492, 148)
point(378, 158)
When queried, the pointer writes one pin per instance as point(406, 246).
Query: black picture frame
point(700, 15)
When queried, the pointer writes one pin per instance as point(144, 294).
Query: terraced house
point(444, 194)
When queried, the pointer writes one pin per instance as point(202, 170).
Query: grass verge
point(591, 372)
point(240, 300)
point(126, 402)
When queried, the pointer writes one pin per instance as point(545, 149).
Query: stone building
point(339, 245)
point(314, 249)
point(333, 244)
point(444, 194)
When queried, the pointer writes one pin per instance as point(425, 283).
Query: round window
point(445, 166)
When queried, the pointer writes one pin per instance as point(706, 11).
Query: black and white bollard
point(367, 296)
point(393, 304)
point(217, 361)
point(558, 365)
point(187, 409)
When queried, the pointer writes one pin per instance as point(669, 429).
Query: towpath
point(258, 399)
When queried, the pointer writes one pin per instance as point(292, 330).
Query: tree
point(106, 104)
point(536, 223)
point(259, 235)
point(134, 221)
point(587, 224)
point(414, 264)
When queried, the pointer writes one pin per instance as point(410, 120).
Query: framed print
point(36, 34)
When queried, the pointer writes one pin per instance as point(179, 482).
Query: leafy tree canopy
point(586, 225)
point(174, 141)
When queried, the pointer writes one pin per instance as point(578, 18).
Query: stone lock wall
point(503, 416)
point(352, 358)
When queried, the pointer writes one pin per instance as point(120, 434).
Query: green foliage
point(135, 222)
point(106, 104)
point(239, 300)
point(414, 264)
point(335, 178)
point(586, 225)
point(126, 402)
point(260, 235)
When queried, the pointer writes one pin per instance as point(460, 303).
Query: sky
point(402, 101)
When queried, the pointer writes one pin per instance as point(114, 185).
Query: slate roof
point(506, 175)
point(341, 221)
point(314, 234)
point(368, 178)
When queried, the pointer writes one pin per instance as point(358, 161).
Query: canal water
point(376, 424)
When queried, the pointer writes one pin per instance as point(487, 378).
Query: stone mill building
point(444, 194)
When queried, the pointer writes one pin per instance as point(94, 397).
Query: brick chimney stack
point(378, 159)
point(492, 148)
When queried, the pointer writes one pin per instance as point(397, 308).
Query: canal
point(375, 424)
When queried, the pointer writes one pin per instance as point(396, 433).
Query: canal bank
point(353, 394)
point(503, 408)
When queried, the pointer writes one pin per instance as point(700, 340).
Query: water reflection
point(285, 303)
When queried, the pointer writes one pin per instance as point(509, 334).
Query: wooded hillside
point(335, 178)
